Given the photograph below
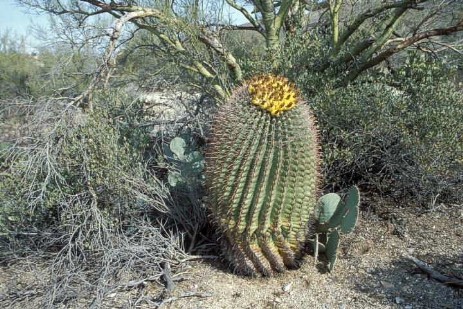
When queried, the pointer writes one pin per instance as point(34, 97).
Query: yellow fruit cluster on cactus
point(274, 94)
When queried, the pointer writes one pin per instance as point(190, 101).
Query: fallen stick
point(184, 295)
point(167, 276)
point(449, 280)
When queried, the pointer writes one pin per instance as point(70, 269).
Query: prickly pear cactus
point(335, 217)
point(186, 162)
point(262, 175)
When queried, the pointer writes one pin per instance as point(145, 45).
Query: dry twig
point(188, 294)
point(434, 274)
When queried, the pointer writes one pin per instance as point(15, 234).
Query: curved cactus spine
point(262, 175)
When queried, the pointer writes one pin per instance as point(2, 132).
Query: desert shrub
point(17, 71)
point(400, 134)
point(78, 186)
point(80, 155)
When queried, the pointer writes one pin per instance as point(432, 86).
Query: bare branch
point(449, 280)
point(174, 43)
point(231, 27)
point(108, 57)
point(445, 46)
point(245, 13)
point(216, 45)
point(373, 12)
point(391, 23)
point(405, 43)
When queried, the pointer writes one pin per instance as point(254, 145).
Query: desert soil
point(372, 271)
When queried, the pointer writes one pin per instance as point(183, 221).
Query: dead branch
point(246, 14)
point(434, 274)
point(108, 59)
point(209, 40)
point(167, 277)
point(184, 295)
point(137, 283)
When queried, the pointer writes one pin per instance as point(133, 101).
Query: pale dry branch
point(434, 274)
point(109, 56)
point(245, 13)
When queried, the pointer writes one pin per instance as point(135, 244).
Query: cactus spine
point(262, 174)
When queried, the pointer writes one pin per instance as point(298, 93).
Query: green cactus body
point(262, 174)
point(335, 217)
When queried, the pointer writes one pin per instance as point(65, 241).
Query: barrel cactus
point(262, 164)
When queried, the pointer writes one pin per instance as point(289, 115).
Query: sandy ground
point(372, 272)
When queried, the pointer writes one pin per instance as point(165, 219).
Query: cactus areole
point(262, 174)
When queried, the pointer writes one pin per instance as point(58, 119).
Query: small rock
point(399, 300)
point(287, 287)
point(387, 284)
point(408, 307)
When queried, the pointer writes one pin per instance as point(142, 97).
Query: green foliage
point(328, 205)
point(331, 248)
point(58, 70)
point(17, 74)
point(261, 175)
point(349, 211)
point(399, 134)
point(299, 58)
point(249, 49)
point(183, 161)
point(44, 74)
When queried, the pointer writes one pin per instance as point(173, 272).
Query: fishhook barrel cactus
point(262, 174)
